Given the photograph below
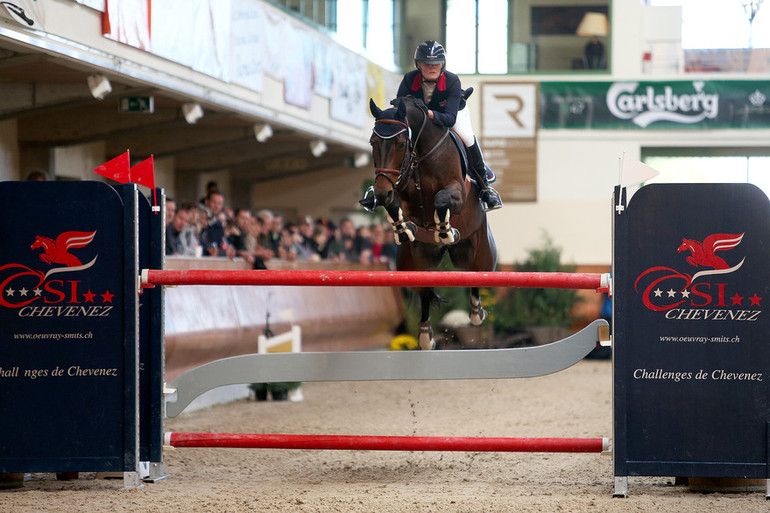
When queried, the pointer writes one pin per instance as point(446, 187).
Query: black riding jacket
point(446, 98)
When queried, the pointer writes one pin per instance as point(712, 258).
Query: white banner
point(509, 110)
point(246, 40)
point(348, 102)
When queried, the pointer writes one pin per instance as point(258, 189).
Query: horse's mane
point(409, 101)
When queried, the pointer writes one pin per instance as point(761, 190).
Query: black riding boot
point(489, 197)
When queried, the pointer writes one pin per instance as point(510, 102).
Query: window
point(368, 25)
point(710, 24)
point(477, 36)
point(510, 36)
point(379, 31)
point(722, 36)
point(754, 169)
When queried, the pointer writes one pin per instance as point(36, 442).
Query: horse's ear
point(401, 111)
point(376, 111)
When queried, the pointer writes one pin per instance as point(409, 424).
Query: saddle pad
point(491, 177)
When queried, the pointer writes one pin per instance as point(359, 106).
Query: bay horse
point(420, 183)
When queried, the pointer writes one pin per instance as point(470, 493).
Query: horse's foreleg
point(403, 230)
point(445, 202)
point(445, 233)
point(477, 314)
point(425, 336)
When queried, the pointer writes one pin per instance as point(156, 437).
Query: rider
point(443, 95)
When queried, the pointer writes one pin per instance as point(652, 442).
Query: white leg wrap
point(444, 233)
point(400, 227)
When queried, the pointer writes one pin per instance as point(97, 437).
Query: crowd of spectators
point(210, 228)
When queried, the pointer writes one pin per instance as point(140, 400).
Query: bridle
point(399, 178)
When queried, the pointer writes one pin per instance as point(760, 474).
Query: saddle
point(465, 161)
point(491, 177)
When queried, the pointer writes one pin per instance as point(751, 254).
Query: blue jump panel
point(692, 332)
point(68, 343)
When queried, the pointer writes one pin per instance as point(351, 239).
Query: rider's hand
point(420, 104)
point(430, 114)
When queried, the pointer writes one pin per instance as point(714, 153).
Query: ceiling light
point(317, 148)
point(99, 86)
point(263, 132)
point(361, 159)
point(192, 112)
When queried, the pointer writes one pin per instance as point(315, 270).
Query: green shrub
point(516, 308)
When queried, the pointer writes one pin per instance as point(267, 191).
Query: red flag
point(118, 169)
point(144, 174)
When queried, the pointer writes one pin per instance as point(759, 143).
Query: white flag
point(633, 172)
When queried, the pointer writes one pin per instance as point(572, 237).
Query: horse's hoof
point(404, 236)
point(410, 229)
point(478, 317)
point(425, 338)
point(447, 237)
point(404, 230)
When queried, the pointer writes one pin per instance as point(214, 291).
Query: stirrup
point(494, 203)
point(369, 201)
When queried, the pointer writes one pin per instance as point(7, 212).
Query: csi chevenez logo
point(60, 288)
point(711, 292)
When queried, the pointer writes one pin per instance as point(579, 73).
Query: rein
point(399, 178)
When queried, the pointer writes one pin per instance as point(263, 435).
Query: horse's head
point(40, 242)
point(686, 245)
point(391, 147)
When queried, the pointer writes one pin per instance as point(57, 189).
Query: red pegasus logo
point(58, 252)
point(703, 253)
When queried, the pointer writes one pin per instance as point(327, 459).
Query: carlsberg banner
point(694, 104)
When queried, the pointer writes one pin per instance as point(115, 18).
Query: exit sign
point(137, 104)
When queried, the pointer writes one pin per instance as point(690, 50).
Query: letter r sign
point(509, 110)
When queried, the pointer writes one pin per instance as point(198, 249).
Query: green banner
point(634, 105)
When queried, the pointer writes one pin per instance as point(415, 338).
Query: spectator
point(212, 237)
point(382, 250)
point(348, 251)
point(190, 233)
point(175, 241)
point(37, 175)
point(330, 249)
point(212, 186)
point(363, 245)
point(276, 226)
point(170, 209)
point(288, 248)
point(391, 248)
point(243, 229)
point(265, 218)
point(261, 245)
point(321, 242)
point(306, 233)
point(238, 234)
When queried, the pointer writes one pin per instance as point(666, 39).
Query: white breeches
point(463, 126)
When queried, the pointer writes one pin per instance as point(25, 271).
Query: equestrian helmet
point(430, 52)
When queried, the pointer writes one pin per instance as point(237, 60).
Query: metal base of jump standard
point(521, 362)
point(387, 443)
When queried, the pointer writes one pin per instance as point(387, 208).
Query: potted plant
point(546, 314)
point(278, 391)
